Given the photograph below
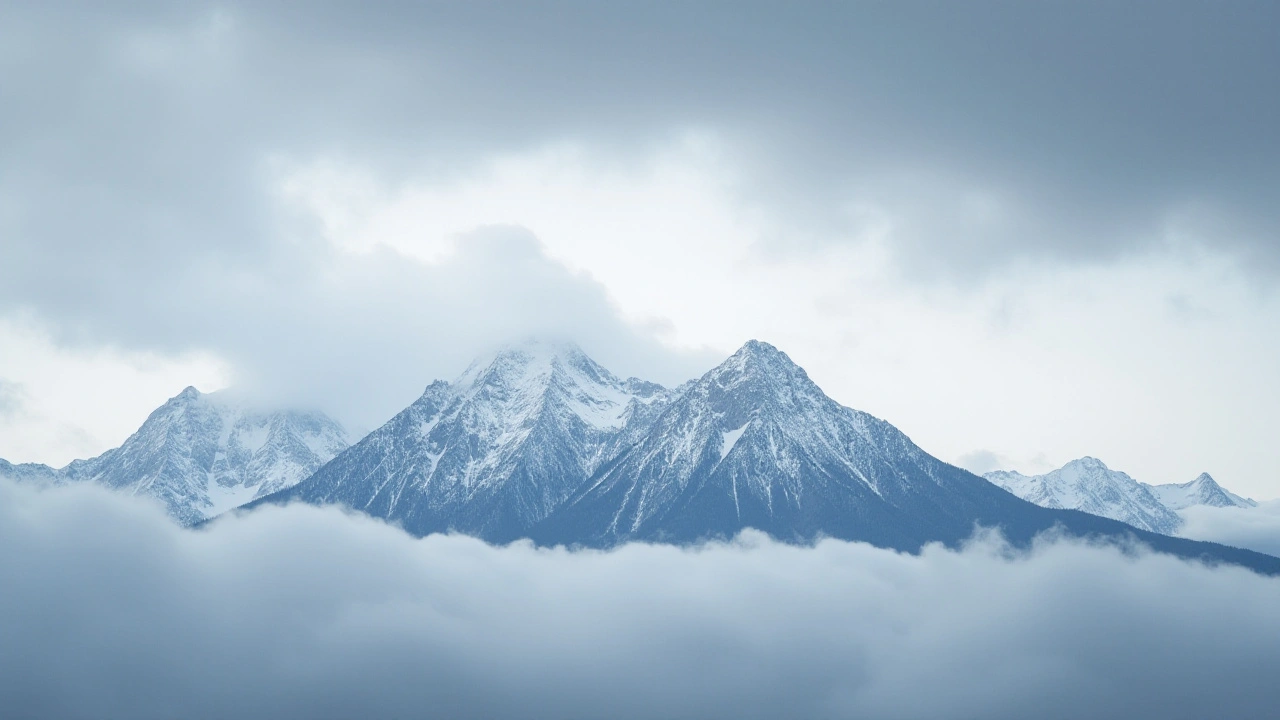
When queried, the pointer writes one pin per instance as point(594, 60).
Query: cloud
point(150, 215)
point(74, 402)
point(155, 125)
point(855, 145)
point(982, 461)
point(306, 612)
point(12, 397)
point(1253, 528)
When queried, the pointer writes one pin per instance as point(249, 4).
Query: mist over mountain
point(1089, 485)
point(203, 454)
point(541, 442)
point(977, 237)
point(493, 452)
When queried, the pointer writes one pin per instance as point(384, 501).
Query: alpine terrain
point(203, 454)
point(28, 472)
point(539, 441)
point(1204, 490)
point(494, 452)
point(1088, 484)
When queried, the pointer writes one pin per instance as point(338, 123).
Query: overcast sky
point(1022, 233)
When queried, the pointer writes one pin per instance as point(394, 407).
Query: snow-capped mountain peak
point(752, 443)
point(496, 450)
point(519, 380)
point(1087, 484)
point(202, 454)
point(29, 473)
point(542, 443)
point(1204, 490)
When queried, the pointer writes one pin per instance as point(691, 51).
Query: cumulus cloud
point(154, 126)
point(109, 610)
point(1254, 528)
point(1015, 151)
point(363, 333)
point(150, 215)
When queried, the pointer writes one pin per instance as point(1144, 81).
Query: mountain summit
point(755, 443)
point(1088, 484)
point(538, 441)
point(1204, 490)
point(493, 452)
point(203, 454)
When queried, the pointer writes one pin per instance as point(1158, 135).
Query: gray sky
point(1022, 233)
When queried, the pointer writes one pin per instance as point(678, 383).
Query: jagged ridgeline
point(541, 442)
point(1088, 484)
point(203, 454)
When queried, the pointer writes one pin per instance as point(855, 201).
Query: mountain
point(541, 442)
point(493, 452)
point(28, 472)
point(1089, 485)
point(755, 443)
point(203, 454)
point(1204, 490)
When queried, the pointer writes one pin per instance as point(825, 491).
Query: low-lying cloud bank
point(1253, 528)
point(109, 610)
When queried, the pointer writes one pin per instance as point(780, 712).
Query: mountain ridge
point(753, 443)
point(538, 441)
point(201, 454)
point(1087, 484)
point(1204, 490)
point(494, 451)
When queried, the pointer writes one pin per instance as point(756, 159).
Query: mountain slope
point(29, 472)
point(1204, 490)
point(755, 443)
point(203, 454)
point(493, 452)
point(541, 442)
point(1090, 486)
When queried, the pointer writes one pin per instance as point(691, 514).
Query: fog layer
point(109, 610)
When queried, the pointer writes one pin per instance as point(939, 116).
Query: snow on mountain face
point(1204, 490)
point(496, 450)
point(541, 442)
point(28, 472)
point(203, 454)
point(755, 443)
point(1089, 485)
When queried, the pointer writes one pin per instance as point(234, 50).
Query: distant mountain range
point(539, 441)
point(1201, 491)
point(204, 454)
point(1089, 485)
